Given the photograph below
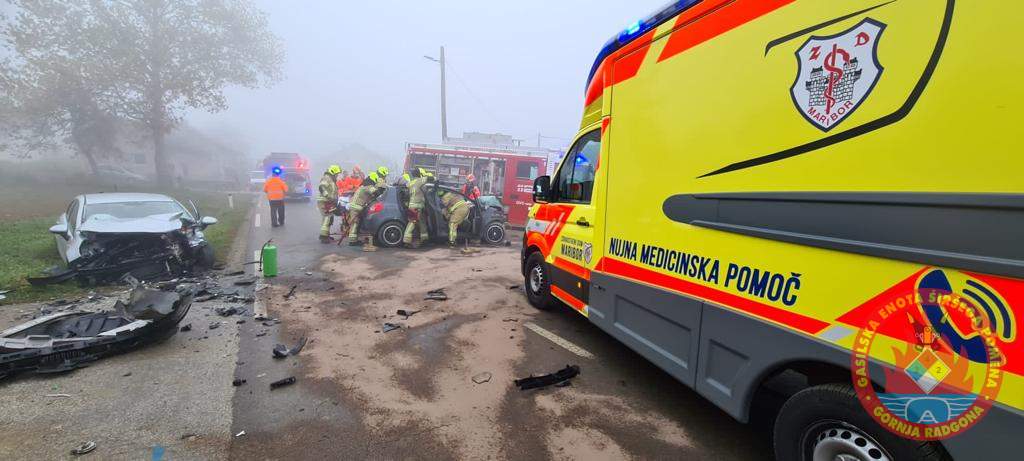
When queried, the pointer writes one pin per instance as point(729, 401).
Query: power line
point(479, 101)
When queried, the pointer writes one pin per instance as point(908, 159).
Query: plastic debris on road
point(481, 378)
point(282, 382)
point(534, 382)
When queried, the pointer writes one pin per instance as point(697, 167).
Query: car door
point(571, 257)
point(432, 215)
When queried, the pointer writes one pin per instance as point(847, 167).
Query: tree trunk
point(90, 160)
point(164, 175)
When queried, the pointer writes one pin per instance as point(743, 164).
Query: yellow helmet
point(382, 170)
point(334, 169)
point(373, 176)
point(425, 173)
point(406, 177)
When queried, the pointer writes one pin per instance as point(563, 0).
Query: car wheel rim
point(495, 233)
point(838, 441)
point(392, 235)
point(536, 279)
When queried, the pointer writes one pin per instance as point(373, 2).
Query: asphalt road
point(363, 393)
point(409, 393)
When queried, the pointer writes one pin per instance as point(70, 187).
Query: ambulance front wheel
point(828, 422)
point(538, 282)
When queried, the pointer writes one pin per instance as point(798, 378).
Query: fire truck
point(504, 172)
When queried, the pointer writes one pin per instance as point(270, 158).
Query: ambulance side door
point(571, 258)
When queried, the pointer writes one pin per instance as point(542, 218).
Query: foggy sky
point(355, 72)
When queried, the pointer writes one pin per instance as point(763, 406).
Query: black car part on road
point(68, 340)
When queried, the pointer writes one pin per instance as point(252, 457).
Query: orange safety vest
point(348, 184)
point(471, 193)
point(275, 188)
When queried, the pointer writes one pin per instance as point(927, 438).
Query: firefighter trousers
point(456, 217)
point(415, 220)
point(353, 221)
point(326, 221)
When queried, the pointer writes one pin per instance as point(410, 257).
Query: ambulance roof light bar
point(636, 29)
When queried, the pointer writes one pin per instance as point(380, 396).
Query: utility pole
point(444, 105)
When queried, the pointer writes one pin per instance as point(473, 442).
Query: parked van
point(826, 190)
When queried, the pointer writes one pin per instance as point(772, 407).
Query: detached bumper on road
point(69, 340)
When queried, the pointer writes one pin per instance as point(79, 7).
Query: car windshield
point(132, 210)
point(489, 201)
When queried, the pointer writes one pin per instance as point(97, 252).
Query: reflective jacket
point(362, 197)
point(275, 188)
point(453, 202)
point(328, 190)
point(471, 191)
point(349, 185)
point(416, 192)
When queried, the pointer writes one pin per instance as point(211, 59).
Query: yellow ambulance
point(826, 188)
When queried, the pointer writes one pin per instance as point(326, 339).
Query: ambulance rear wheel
point(538, 282)
point(827, 422)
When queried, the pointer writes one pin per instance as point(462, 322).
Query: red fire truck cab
point(503, 173)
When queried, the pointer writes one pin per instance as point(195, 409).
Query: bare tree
point(47, 94)
point(148, 60)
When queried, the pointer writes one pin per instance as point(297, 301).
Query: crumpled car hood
point(155, 224)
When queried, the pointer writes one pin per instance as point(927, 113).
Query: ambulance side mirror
point(542, 189)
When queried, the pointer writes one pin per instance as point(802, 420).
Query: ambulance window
point(576, 178)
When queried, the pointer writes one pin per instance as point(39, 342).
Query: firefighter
point(382, 177)
point(327, 201)
point(418, 177)
point(456, 210)
point(275, 189)
point(469, 189)
point(360, 199)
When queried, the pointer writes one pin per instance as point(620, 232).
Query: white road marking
point(559, 340)
point(257, 219)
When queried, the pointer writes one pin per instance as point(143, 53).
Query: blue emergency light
point(636, 29)
point(276, 170)
point(633, 28)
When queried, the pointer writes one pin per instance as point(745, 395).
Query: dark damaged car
point(386, 217)
point(104, 237)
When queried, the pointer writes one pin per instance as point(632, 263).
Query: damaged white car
point(103, 237)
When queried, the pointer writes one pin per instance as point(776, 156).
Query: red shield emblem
point(836, 73)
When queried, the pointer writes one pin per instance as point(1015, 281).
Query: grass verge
point(27, 247)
